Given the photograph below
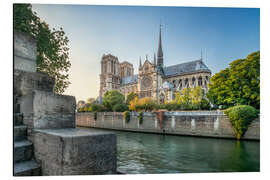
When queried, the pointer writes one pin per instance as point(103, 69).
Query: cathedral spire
point(160, 52)
point(140, 62)
point(155, 62)
point(201, 55)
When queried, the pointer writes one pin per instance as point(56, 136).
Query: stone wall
point(199, 123)
point(25, 51)
point(49, 118)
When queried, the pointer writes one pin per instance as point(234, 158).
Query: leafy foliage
point(91, 108)
point(239, 84)
point(146, 104)
point(120, 108)
point(140, 117)
point(205, 104)
point(240, 117)
point(127, 116)
point(95, 115)
point(96, 108)
point(131, 96)
point(52, 45)
point(189, 99)
point(111, 98)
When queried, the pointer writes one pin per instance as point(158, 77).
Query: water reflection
point(152, 153)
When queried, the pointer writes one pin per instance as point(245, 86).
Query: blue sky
point(128, 32)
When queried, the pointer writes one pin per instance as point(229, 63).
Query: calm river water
point(140, 153)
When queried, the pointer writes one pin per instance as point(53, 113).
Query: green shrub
point(240, 117)
point(145, 104)
point(97, 107)
point(127, 116)
point(120, 108)
point(80, 109)
point(140, 117)
point(111, 98)
point(204, 104)
point(95, 115)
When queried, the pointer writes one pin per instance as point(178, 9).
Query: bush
point(146, 104)
point(120, 108)
point(97, 107)
point(204, 104)
point(81, 109)
point(240, 117)
point(95, 115)
point(111, 98)
point(127, 116)
point(131, 96)
point(172, 106)
point(140, 117)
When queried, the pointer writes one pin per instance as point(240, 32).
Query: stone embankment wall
point(49, 123)
point(195, 123)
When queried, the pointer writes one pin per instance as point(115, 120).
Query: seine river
point(140, 153)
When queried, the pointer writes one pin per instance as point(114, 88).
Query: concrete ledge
point(75, 151)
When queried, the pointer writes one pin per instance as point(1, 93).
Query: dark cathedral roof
point(185, 68)
point(129, 80)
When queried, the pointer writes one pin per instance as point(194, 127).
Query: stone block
point(26, 82)
point(75, 151)
point(47, 110)
point(25, 50)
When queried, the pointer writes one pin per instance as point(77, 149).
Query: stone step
point(20, 133)
point(23, 151)
point(16, 108)
point(18, 119)
point(26, 168)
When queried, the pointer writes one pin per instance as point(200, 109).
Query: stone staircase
point(23, 156)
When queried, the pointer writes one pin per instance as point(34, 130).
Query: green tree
point(120, 108)
point(111, 98)
point(52, 45)
point(130, 97)
point(239, 84)
point(90, 100)
point(196, 95)
point(241, 117)
point(183, 97)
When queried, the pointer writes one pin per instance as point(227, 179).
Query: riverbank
point(189, 123)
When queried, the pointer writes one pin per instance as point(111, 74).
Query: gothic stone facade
point(153, 79)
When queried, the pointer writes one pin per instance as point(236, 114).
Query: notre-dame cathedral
point(153, 79)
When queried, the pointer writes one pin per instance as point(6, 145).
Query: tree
point(187, 98)
point(90, 100)
point(52, 45)
point(111, 98)
point(130, 97)
point(241, 117)
point(146, 104)
point(239, 84)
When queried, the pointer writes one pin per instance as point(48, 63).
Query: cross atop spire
point(160, 52)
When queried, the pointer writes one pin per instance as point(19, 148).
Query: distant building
point(153, 80)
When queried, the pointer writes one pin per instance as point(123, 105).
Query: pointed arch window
point(180, 83)
point(186, 83)
point(200, 81)
point(173, 83)
point(193, 82)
